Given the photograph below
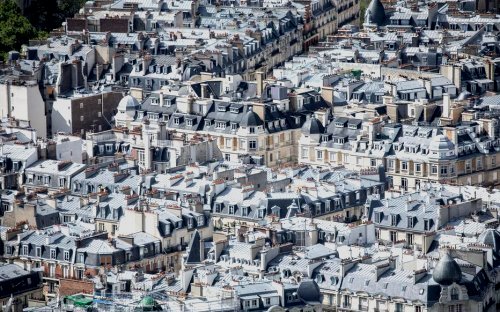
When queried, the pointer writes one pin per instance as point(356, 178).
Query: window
point(101, 227)
point(99, 114)
point(252, 144)
point(66, 256)
point(427, 224)
point(373, 162)
point(434, 169)
point(268, 301)
point(207, 123)
point(409, 239)
point(234, 126)
point(363, 304)
point(468, 165)
point(378, 217)
point(189, 122)
point(177, 120)
point(25, 250)
point(320, 155)
point(38, 251)
point(220, 124)
point(394, 220)
point(81, 105)
point(251, 129)
point(410, 222)
point(444, 170)
point(394, 236)
point(455, 308)
point(479, 164)
point(52, 254)
point(404, 165)
point(418, 167)
point(390, 164)
point(303, 153)
point(227, 157)
point(81, 118)
point(454, 294)
point(399, 307)
point(231, 209)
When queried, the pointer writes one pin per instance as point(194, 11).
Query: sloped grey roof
point(251, 119)
point(447, 271)
point(312, 126)
point(376, 12)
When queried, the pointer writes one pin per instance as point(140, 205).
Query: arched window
point(454, 294)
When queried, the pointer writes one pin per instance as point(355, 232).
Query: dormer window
point(221, 108)
point(208, 123)
point(220, 124)
point(394, 220)
point(177, 120)
point(251, 129)
point(189, 122)
point(411, 222)
point(244, 211)
point(234, 126)
point(155, 101)
point(168, 103)
point(231, 209)
point(235, 110)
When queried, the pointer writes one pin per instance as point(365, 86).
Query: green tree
point(15, 29)
point(47, 15)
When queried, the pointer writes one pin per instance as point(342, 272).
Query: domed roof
point(148, 302)
point(251, 119)
point(375, 13)
point(447, 271)
point(128, 103)
point(463, 95)
point(441, 143)
point(308, 292)
point(490, 237)
point(275, 308)
point(312, 126)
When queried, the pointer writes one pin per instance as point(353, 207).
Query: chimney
point(247, 190)
point(260, 83)
point(161, 99)
point(204, 90)
point(446, 105)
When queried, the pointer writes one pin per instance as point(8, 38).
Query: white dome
point(441, 143)
point(128, 103)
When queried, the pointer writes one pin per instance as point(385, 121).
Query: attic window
point(177, 120)
point(394, 220)
point(207, 123)
point(189, 122)
point(155, 101)
point(234, 110)
point(231, 209)
point(220, 125)
point(221, 108)
point(234, 126)
point(411, 222)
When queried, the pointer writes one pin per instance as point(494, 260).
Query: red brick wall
point(76, 24)
point(118, 25)
point(72, 286)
